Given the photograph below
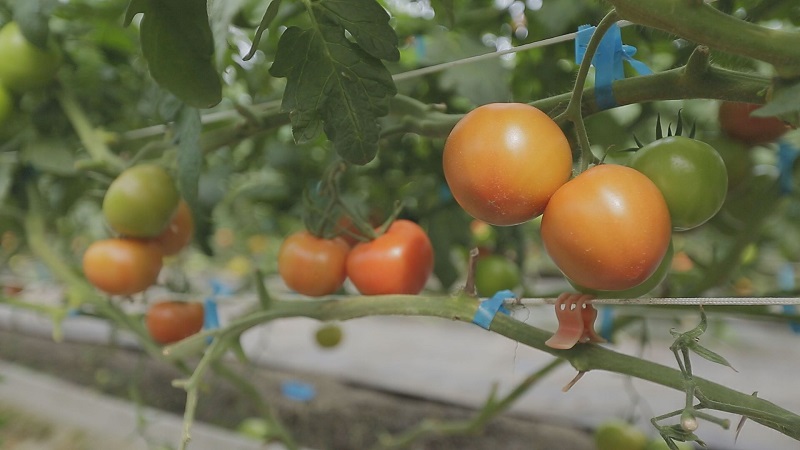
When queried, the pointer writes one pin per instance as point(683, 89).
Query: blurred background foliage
point(253, 178)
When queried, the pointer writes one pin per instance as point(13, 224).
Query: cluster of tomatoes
point(609, 228)
point(398, 260)
point(143, 208)
point(25, 67)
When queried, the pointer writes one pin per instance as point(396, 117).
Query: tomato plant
point(122, 266)
point(608, 228)
point(141, 201)
point(400, 261)
point(328, 335)
point(170, 321)
point(619, 435)
point(312, 265)
point(503, 161)
point(690, 174)
point(24, 66)
point(495, 273)
point(736, 121)
point(178, 232)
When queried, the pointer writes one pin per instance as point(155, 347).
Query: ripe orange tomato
point(122, 266)
point(312, 265)
point(503, 161)
point(178, 232)
point(736, 121)
point(399, 261)
point(170, 321)
point(608, 228)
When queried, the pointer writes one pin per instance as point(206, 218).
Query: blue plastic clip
point(787, 154)
point(298, 391)
point(606, 323)
point(210, 313)
point(786, 283)
point(489, 308)
point(607, 61)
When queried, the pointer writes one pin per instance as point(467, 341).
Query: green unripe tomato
point(689, 173)
point(24, 66)
point(328, 335)
point(495, 273)
point(619, 435)
point(141, 201)
point(6, 105)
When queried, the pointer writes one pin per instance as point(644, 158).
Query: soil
point(340, 416)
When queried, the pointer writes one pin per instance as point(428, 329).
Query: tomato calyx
point(576, 317)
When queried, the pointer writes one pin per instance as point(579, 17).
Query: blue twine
point(607, 61)
point(489, 308)
point(787, 154)
point(786, 283)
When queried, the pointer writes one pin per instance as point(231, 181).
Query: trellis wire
point(675, 301)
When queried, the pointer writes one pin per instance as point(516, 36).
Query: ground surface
point(341, 416)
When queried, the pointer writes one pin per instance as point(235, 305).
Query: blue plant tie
point(786, 283)
point(606, 323)
point(489, 308)
point(607, 61)
point(787, 154)
point(210, 313)
point(298, 391)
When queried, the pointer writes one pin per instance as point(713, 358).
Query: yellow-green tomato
point(24, 66)
point(619, 435)
point(689, 173)
point(495, 273)
point(6, 105)
point(328, 335)
point(141, 201)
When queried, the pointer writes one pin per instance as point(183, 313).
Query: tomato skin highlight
point(141, 201)
point(122, 266)
point(608, 228)
point(690, 174)
point(735, 120)
point(399, 261)
point(311, 265)
point(503, 161)
point(170, 321)
point(178, 232)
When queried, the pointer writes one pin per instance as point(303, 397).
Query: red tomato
point(736, 121)
point(608, 228)
point(312, 265)
point(122, 266)
point(399, 261)
point(178, 232)
point(503, 161)
point(170, 321)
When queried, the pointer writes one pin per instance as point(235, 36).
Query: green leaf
point(785, 104)
point(710, 355)
point(33, 18)
point(134, 7)
point(190, 156)
point(178, 45)
point(269, 16)
point(368, 22)
point(334, 84)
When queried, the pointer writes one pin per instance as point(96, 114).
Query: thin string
point(714, 301)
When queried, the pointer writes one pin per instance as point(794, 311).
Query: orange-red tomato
point(503, 161)
point(170, 321)
point(178, 232)
point(311, 265)
point(122, 266)
point(608, 228)
point(399, 261)
point(736, 121)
